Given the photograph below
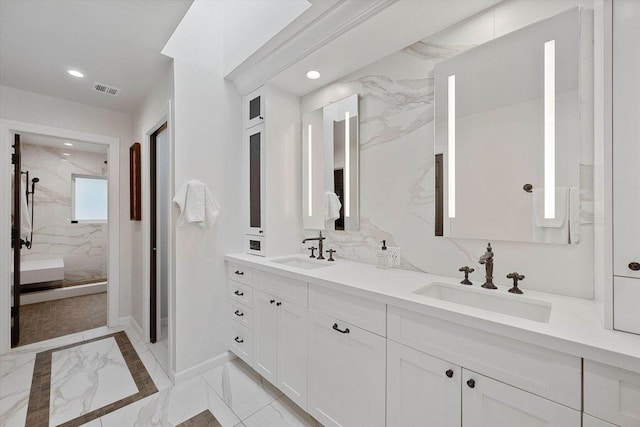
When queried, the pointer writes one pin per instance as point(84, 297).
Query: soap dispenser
point(384, 257)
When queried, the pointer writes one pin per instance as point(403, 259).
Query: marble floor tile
point(87, 377)
point(172, 406)
point(281, 413)
point(94, 423)
point(13, 408)
point(241, 388)
point(15, 382)
point(156, 371)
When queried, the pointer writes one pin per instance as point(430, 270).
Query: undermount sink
point(511, 305)
point(301, 263)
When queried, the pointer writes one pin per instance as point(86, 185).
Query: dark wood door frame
point(16, 241)
point(153, 235)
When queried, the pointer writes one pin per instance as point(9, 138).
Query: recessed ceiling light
point(66, 154)
point(68, 144)
point(313, 74)
point(75, 73)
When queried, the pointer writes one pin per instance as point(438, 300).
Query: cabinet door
point(589, 421)
point(346, 374)
point(254, 180)
point(626, 134)
point(612, 394)
point(292, 352)
point(421, 390)
point(254, 108)
point(489, 403)
point(265, 335)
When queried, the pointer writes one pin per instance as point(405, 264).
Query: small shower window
point(89, 198)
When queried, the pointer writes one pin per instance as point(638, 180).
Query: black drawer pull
point(272, 301)
point(471, 383)
point(278, 304)
point(635, 266)
point(335, 328)
point(239, 293)
point(449, 373)
point(239, 313)
point(238, 340)
point(239, 273)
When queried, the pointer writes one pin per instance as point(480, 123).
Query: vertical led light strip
point(310, 169)
point(550, 129)
point(451, 143)
point(347, 144)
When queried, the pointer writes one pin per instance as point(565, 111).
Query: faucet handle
point(312, 249)
point(466, 270)
point(516, 277)
point(331, 252)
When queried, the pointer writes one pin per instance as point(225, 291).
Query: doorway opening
point(159, 193)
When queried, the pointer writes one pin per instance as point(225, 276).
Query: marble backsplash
point(397, 165)
point(82, 246)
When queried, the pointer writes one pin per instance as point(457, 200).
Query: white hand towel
point(196, 204)
point(332, 206)
point(574, 215)
point(551, 230)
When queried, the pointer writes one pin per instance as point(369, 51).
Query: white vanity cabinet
point(612, 394)
point(626, 170)
point(271, 151)
point(280, 344)
point(241, 312)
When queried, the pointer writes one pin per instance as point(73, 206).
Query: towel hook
point(527, 187)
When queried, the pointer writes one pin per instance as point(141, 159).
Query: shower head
point(34, 180)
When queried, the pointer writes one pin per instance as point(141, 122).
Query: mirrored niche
point(330, 167)
point(507, 136)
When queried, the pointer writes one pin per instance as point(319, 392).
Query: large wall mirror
point(330, 171)
point(507, 136)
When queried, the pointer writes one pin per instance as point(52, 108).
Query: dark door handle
point(449, 373)
point(239, 313)
point(239, 273)
point(272, 301)
point(635, 266)
point(335, 328)
point(239, 293)
point(238, 340)
point(471, 383)
point(278, 303)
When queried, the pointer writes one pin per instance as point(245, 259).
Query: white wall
point(43, 110)
point(397, 173)
point(208, 147)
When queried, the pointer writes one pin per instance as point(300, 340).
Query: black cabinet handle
point(449, 373)
point(272, 301)
point(278, 304)
point(239, 313)
point(471, 383)
point(239, 273)
point(239, 293)
point(238, 340)
point(335, 328)
point(635, 266)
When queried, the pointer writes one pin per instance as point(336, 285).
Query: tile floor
point(232, 392)
point(51, 319)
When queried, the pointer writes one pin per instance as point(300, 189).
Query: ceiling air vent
point(109, 90)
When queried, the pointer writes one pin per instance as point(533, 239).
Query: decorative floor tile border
point(203, 419)
point(39, 397)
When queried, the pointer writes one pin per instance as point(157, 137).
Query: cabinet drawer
point(241, 342)
point(612, 394)
point(239, 273)
point(242, 314)
point(626, 300)
point(361, 312)
point(240, 293)
point(547, 373)
point(288, 289)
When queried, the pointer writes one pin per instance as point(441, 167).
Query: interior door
point(16, 242)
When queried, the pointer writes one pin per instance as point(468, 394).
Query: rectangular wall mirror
point(330, 167)
point(507, 136)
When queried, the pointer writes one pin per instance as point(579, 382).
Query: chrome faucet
point(487, 260)
point(320, 244)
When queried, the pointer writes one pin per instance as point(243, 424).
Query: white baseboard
point(200, 368)
point(129, 321)
point(61, 293)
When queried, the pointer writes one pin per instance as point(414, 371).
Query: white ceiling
point(55, 142)
point(116, 42)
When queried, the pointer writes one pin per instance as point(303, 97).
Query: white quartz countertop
point(574, 326)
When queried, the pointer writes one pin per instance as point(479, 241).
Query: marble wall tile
point(82, 246)
point(397, 174)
